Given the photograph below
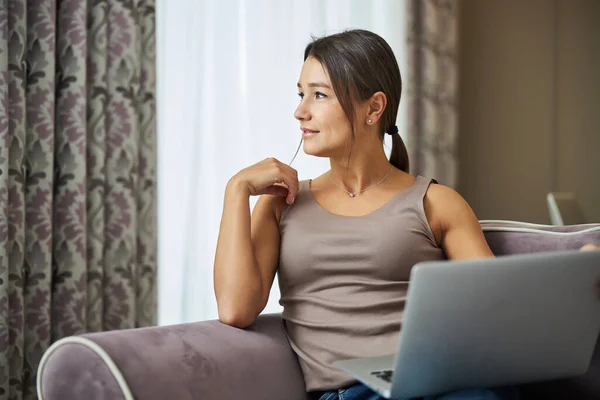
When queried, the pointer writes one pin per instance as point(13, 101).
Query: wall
point(529, 106)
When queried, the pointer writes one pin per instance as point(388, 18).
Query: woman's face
point(325, 128)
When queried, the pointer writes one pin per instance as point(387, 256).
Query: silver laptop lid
point(508, 320)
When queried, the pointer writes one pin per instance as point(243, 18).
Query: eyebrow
point(316, 84)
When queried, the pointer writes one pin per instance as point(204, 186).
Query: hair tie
point(393, 130)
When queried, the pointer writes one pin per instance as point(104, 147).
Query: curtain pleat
point(77, 184)
point(432, 88)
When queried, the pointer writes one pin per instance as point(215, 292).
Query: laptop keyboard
point(386, 375)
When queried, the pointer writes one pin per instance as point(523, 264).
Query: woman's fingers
point(277, 190)
point(265, 176)
point(289, 177)
point(292, 184)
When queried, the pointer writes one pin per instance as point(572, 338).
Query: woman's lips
point(308, 132)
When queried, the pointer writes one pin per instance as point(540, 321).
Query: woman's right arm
point(247, 252)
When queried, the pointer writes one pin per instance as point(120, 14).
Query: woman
point(344, 242)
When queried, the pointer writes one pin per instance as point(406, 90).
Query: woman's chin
point(316, 151)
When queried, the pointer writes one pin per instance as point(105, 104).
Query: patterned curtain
point(432, 85)
point(77, 175)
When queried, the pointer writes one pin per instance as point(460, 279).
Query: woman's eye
point(318, 95)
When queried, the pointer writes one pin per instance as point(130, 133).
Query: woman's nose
point(301, 113)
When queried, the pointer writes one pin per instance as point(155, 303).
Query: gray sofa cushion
point(506, 237)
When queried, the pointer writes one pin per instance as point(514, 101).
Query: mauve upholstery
point(76, 372)
point(212, 361)
point(202, 360)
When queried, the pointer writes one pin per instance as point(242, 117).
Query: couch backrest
point(509, 237)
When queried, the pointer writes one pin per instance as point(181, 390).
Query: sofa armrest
point(204, 360)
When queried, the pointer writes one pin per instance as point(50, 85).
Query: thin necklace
point(363, 190)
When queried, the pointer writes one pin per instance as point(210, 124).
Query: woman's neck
point(365, 169)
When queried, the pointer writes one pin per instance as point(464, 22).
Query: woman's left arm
point(457, 227)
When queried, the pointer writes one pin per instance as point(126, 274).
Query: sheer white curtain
point(227, 73)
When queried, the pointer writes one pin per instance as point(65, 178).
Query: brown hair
point(361, 63)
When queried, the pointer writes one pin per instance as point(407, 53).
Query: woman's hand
point(269, 176)
point(592, 246)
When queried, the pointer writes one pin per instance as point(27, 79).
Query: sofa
point(209, 360)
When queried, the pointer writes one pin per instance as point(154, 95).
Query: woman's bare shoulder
point(442, 204)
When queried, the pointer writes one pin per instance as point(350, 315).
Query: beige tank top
point(343, 280)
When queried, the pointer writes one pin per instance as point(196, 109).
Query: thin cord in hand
point(297, 150)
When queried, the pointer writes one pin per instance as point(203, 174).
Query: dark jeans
point(361, 392)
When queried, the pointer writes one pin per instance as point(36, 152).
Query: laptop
point(490, 322)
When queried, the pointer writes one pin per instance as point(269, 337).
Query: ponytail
point(399, 155)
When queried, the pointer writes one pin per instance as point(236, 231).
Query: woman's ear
point(376, 107)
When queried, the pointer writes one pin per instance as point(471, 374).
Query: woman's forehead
point(312, 72)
